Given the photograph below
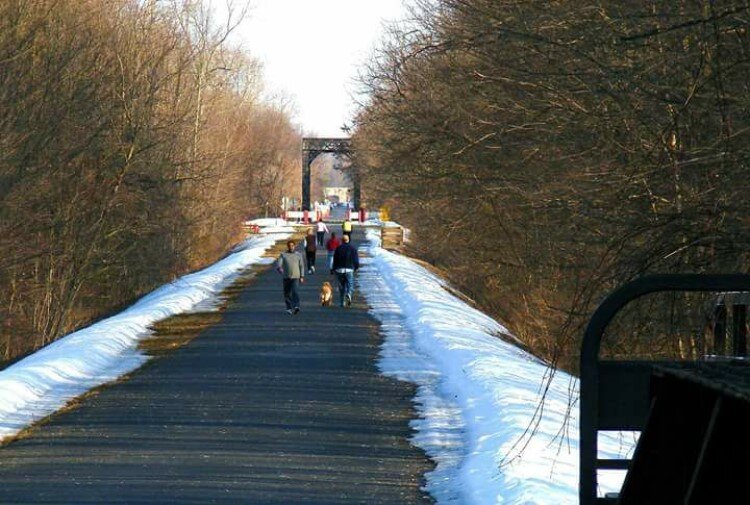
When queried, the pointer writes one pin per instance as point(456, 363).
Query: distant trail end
point(262, 408)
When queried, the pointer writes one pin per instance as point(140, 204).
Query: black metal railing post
point(739, 329)
point(720, 329)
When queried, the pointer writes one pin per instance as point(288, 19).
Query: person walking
point(345, 263)
point(291, 265)
point(322, 230)
point(310, 250)
point(331, 246)
point(347, 228)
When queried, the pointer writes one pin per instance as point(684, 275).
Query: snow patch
point(477, 394)
point(271, 225)
point(45, 381)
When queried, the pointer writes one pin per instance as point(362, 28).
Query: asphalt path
point(263, 407)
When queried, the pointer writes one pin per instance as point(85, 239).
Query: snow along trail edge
point(48, 379)
point(476, 394)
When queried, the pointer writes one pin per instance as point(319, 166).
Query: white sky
point(311, 50)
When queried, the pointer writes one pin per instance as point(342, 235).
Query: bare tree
point(127, 143)
point(562, 149)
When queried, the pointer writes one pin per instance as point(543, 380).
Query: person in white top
point(322, 230)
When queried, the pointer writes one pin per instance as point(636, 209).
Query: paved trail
point(262, 408)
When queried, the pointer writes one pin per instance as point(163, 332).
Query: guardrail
point(392, 237)
point(312, 216)
point(615, 394)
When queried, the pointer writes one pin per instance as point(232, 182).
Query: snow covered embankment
point(477, 394)
point(45, 381)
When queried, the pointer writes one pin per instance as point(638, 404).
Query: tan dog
point(326, 294)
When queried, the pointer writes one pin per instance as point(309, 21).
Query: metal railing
point(614, 394)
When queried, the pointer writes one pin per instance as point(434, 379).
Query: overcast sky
point(311, 49)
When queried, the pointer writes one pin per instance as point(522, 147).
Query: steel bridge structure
point(313, 147)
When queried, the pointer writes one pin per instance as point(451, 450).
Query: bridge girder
point(312, 147)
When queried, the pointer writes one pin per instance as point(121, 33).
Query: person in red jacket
point(331, 246)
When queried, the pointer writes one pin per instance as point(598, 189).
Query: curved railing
point(597, 414)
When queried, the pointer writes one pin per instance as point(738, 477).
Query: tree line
point(544, 153)
point(134, 139)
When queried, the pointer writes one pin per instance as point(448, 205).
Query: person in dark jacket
point(310, 250)
point(345, 263)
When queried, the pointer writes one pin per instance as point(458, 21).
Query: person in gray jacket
point(291, 265)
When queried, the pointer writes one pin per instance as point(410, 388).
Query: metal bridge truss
point(314, 147)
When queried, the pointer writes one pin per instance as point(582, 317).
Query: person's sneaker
point(296, 310)
point(289, 311)
point(348, 300)
point(312, 270)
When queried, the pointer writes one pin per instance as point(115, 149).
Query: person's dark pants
point(346, 285)
point(310, 259)
point(321, 236)
point(291, 296)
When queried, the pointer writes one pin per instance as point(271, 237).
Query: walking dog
point(326, 294)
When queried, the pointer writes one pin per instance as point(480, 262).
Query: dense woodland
point(543, 153)
point(134, 140)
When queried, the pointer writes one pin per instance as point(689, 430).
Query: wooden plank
point(721, 476)
point(700, 467)
point(669, 447)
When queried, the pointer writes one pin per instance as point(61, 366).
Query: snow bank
point(271, 225)
point(378, 222)
point(46, 380)
point(477, 394)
